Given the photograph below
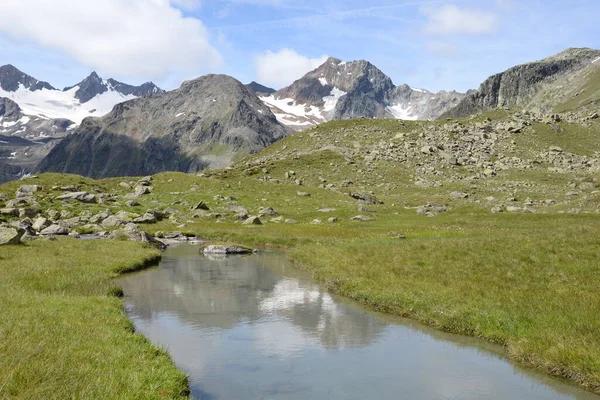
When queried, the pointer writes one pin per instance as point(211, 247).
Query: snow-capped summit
point(93, 86)
point(93, 96)
point(342, 90)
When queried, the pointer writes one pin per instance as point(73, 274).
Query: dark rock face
point(11, 78)
point(9, 109)
point(204, 123)
point(532, 85)
point(93, 85)
point(138, 91)
point(259, 89)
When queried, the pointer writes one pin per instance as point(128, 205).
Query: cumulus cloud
point(453, 20)
point(284, 67)
point(134, 38)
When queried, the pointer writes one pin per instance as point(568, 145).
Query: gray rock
point(252, 221)
point(112, 222)
point(332, 220)
point(363, 218)
point(28, 212)
point(132, 203)
point(10, 235)
point(83, 197)
point(40, 224)
point(459, 195)
point(303, 194)
point(267, 211)
point(147, 218)
point(9, 212)
point(220, 249)
point(55, 230)
point(200, 206)
point(27, 190)
point(137, 236)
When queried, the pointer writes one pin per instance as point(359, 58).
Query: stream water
point(256, 327)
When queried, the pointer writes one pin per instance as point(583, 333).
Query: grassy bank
point(62, 336)
point(528, 282)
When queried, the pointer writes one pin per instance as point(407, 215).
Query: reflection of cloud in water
point(254, 327)
point(224, 293)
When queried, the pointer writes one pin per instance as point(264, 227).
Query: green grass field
point(63, 337)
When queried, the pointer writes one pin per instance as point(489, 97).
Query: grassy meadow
point(62, 336)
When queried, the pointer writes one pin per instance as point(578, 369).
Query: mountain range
point(214, 120)
point(345, 90)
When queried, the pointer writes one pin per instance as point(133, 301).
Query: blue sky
point(428, 44)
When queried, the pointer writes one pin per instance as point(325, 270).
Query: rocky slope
point(342, 90)
point(565, 81)
point(260, 89)
point(207, 122)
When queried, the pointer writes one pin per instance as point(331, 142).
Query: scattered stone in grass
point(303, 194)
point(326, 210)
point(55, 230)
point(316, 222)
point(252, 221)
point(366, 197)
point(200, 206)
point(10, 235)
point(459, 195)
point(83, 197)
point(363, 218)
point(132, 203)
point(290, 221)
point(332, 220)
point(267, 211)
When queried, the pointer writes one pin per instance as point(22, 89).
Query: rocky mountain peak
point(94, 85)
point(11, 78)
point(260, 89)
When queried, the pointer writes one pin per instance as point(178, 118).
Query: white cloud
point(127, 38)
point(452, 20)
point(284, 67)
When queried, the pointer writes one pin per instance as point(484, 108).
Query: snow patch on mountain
point(50, 104)
point(332, 99)
point(402, 111)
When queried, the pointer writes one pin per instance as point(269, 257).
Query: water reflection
point(255, 327)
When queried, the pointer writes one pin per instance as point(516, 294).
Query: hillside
point(563, 82)
point(207, 122)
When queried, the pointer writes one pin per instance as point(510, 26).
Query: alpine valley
point(475, 213)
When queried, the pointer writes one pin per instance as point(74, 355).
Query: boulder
point(362, 218)
point(10, 235)
point(40, 224)
point(132, 233)
point(147, 218)
point(223, 249)
point(252, 221)
point(27, 190)
point(200, 206)
point(366, 197)
point(268, 211)
point(55, 229)
point(9, 212)
point(83, 197)
point(112, 222)
point(459, 195)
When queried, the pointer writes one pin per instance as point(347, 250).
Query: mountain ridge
point(341, 90)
